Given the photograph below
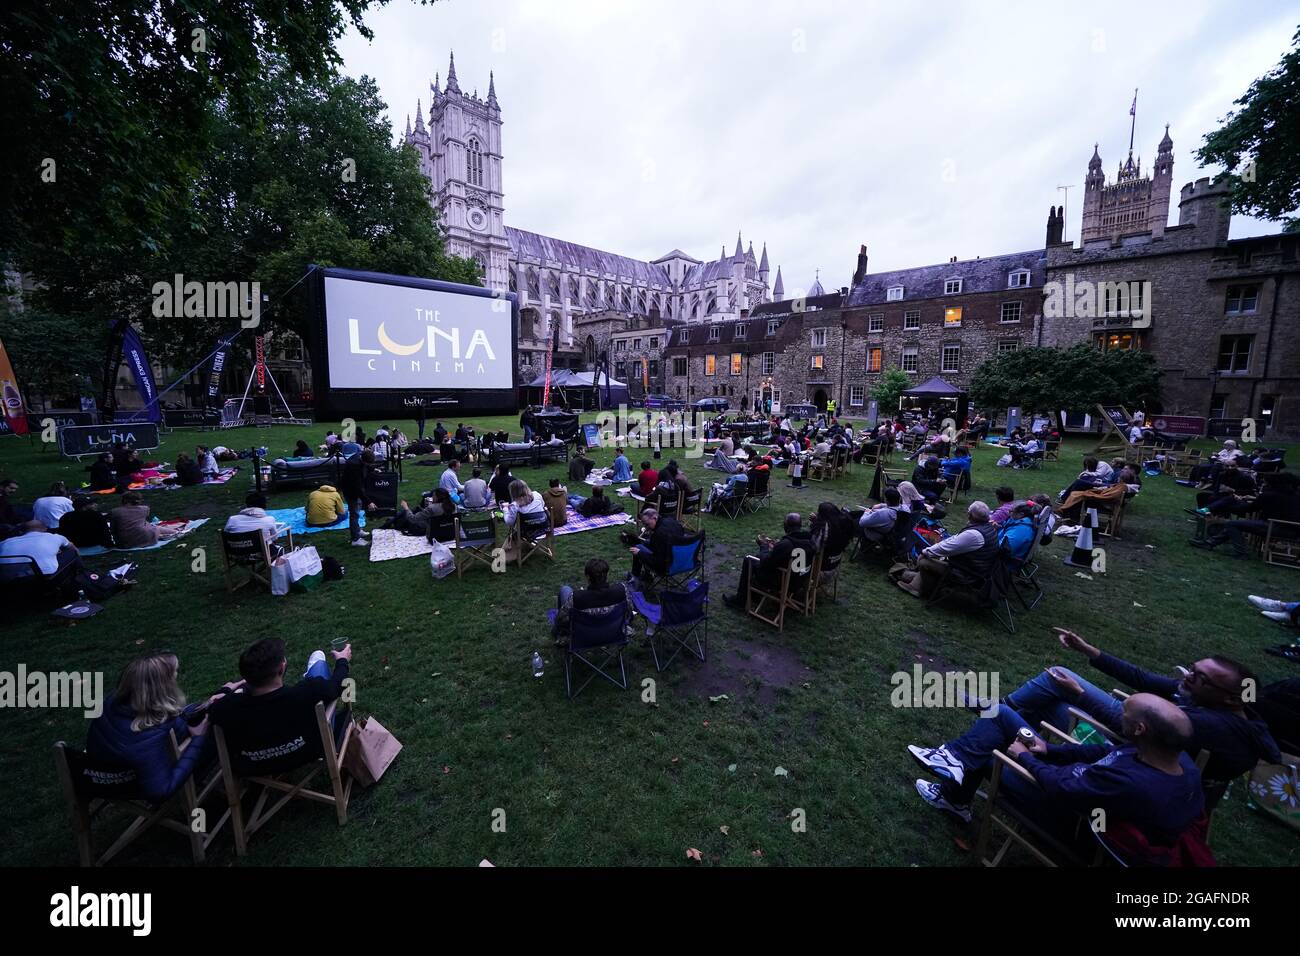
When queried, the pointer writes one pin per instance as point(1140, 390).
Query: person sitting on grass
point(598, 505)
point(523, 500)
point(1006, 502)
point(500, 484)
point(253, 517)
point(477, 493)
point(1147, 783)
point(1284, 612)
point(417, 524)
point(207, 462)
point(580, 467)
point(654, 553)
point(132, 527)
point(302, 450)
point(646, 479)
point(325, 507)
point(52, 506)
point(1211, 695)
point(973, 550)
point(556, 498)
point(599, 595)
point(450, 481)
point(102, 476)
point(622, 467)
point(139, 717)
point(85, 526)
point(795, 551)
point(187, 474)
point(272, 727)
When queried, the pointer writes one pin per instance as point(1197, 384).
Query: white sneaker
point(315, 656)
point(1282, 617)
point(940, 760)
point(1266, 604)
point(932, 794)
point(360, 543)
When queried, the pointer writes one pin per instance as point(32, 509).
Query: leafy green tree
point(889, 390)
point(1074, 379)
point(1259, 144)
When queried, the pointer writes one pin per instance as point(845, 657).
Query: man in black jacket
point(596, 596)
point(352, 486)
point(85, 526)
point(1211, 695)
point(795, 551)
point(656, 553)
point(269, 727)
point(1278, 501)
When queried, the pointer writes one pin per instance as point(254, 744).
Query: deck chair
point(989, 594)
point(532, 534)
point(240, 779)
point(733, 505)
point(687, 563)
point(819, 469)
point(1024, 573)
point(689, 514)
point(828, 576)
point(23, 584)
point(669, 505)
point(1282, 543)
point(680, 622)
point(93, 789)
point(476, 539)
point(249, 550)
point(759, 493)
point(1110, 517)
point(1052, 449)
point(1180, 464)
point(604, 629)
point(770, 604)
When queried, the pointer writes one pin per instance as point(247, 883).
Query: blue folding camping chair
point(687, 563)
point(680, 621)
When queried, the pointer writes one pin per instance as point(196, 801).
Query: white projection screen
point(416, 341)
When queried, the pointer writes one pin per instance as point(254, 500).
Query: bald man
point(974, 549)
point(1148, 782)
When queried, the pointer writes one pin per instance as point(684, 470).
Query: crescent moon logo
point(394, 347)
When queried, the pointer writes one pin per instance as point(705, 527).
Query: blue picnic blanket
point(295, 519)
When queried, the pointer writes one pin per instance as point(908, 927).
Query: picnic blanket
point(224, 476)
point(162, 542)
point(387, 545)
point(295, 519)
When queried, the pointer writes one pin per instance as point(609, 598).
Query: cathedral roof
point(676, 254)
point(927, 282)
point(531, 245)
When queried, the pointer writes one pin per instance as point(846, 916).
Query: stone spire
point(492, 91)
point(452, 85)
point(778, 290)
point(740, 250)
point(762, 264)
point(408, 126)
point(419, 118)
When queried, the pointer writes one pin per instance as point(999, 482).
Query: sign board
point(1117, 415)
point(77, 441)
point(61, 420)
point(591, 435)
point(1191, 425)
point(191, 417)
point(381, 488)
point(1013, 418)
point(873, 413)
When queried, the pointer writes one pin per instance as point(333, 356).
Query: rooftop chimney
point(861, 272)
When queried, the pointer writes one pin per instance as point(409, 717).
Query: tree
point(1074, 379)
point(889, 390)
point(1259, 144)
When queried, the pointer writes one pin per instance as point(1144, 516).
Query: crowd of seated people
point(1250, 514)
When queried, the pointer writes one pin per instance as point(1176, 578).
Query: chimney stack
point(861, 272)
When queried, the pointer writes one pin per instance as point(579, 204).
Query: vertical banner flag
point(260, 342)
point(645, 377)
point(215, 369)
point(550, 353)
point(134, 355)
point(15, 412)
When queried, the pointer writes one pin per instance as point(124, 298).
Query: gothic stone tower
point(460, 153)
point(1133, 203)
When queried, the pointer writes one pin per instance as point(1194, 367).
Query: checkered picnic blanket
point(224, 476)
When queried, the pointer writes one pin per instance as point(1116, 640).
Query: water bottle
point(537, 664)
point(81, 597)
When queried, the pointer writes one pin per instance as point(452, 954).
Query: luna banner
point(134, 355)
point(215, 368)
point(15, 411)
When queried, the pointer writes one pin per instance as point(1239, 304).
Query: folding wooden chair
point(93, 789)
point(476, 540)
point(819, 469)
point(689, 514)
point(828, 577)
point(252, 551)
point(1282, 543)
point(1180, 464)
point(237, 785)
point(533, 533)
point(757, 600)
point(1110, 517)
point(1052, 449)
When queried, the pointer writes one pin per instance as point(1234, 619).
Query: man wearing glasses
point(1213, 695)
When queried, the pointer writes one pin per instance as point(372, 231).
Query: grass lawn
point(608, 779)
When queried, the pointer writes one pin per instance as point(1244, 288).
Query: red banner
point(1178, 424)
point(15, 411)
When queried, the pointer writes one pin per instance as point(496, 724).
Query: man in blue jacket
point(1149, 783)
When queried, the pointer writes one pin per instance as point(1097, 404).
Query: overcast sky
point(925, 130)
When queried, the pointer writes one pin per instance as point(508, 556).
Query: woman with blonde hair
point(523, 500)
point(138, 716)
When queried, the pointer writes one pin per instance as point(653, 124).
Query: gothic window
point(591, 294)
point(534, 287)
point(572, 293)
point(625, 301)
point(553, 285)
point(514, 281)
point(474, 160)
point(482, 263)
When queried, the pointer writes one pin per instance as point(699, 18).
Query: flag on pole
point(15, 412)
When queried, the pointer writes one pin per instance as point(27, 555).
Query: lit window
point(875, 358)
point(952, 317)
point(818, 362)
point(710, 365)
point(737, 363)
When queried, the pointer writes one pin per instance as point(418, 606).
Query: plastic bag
point(441, 560)
point(280, 577)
